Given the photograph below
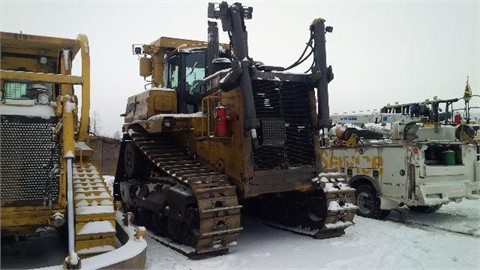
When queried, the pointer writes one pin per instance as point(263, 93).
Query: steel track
point(217, 204)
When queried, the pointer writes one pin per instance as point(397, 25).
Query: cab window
point(195, 69)
point(173, 72)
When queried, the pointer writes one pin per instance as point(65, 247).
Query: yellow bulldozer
point(48, 175)
point(217, 131)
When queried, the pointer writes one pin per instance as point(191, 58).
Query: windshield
point(195, 69)
point(185, 72)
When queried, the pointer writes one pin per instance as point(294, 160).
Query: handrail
point(85, 112)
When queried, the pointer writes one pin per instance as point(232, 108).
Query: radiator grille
point(288, 103)
point(27, 157)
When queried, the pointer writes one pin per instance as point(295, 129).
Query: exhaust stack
point(322, 74)
point(213, 46)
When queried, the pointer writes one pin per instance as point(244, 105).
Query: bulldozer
point(217, 134)
point(48, 175)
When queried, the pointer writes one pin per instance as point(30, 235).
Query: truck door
point(394, 178)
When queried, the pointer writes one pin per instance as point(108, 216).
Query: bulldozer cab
point(178, 64)
point(185, 72)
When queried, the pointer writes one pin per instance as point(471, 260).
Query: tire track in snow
point(449, 220)
point(430, 227)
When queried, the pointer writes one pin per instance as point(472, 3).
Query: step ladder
point(94, 211)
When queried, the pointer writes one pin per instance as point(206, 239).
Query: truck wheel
point(134, 161)
point(425, 208)
point(368, 203)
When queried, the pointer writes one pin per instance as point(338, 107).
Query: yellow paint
point(39, 77)
point(68, 131)
point(360, 164)
point(85, 113)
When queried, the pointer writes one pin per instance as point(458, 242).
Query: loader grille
point(27, 157)
point(286, 135)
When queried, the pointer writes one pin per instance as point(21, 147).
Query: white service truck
point(427, 169)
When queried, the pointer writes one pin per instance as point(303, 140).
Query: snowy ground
point(448, 239)
point(427, 241)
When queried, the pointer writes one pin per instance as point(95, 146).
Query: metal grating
point(277, 101)
point(273, 132)
point(27, 156)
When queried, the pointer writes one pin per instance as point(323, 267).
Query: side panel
point(227, 154)
point(394, 179)
point(442, 182)
point(364, 161)
point(162, 102)
point(333, 159)
point(149, 103)
point(381, 165)
point(354, 161)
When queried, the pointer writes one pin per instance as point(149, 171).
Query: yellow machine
point(48, 177)
point(217, 129)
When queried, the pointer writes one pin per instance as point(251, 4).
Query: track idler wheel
point(317, 211)
point(134, 161)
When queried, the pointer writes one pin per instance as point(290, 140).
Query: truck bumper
point(473, 190)
point(441, 193)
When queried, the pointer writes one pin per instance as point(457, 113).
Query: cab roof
point(34, 45)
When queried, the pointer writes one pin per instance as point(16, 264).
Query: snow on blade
point(97, 227)
point(88, 210)
point(131, 249)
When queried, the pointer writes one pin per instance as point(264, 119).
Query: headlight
point(43, 99)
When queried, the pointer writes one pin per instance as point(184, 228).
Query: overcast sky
point(381, 52)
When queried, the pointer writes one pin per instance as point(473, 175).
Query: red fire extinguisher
point(457, 118)
point(221, 121)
